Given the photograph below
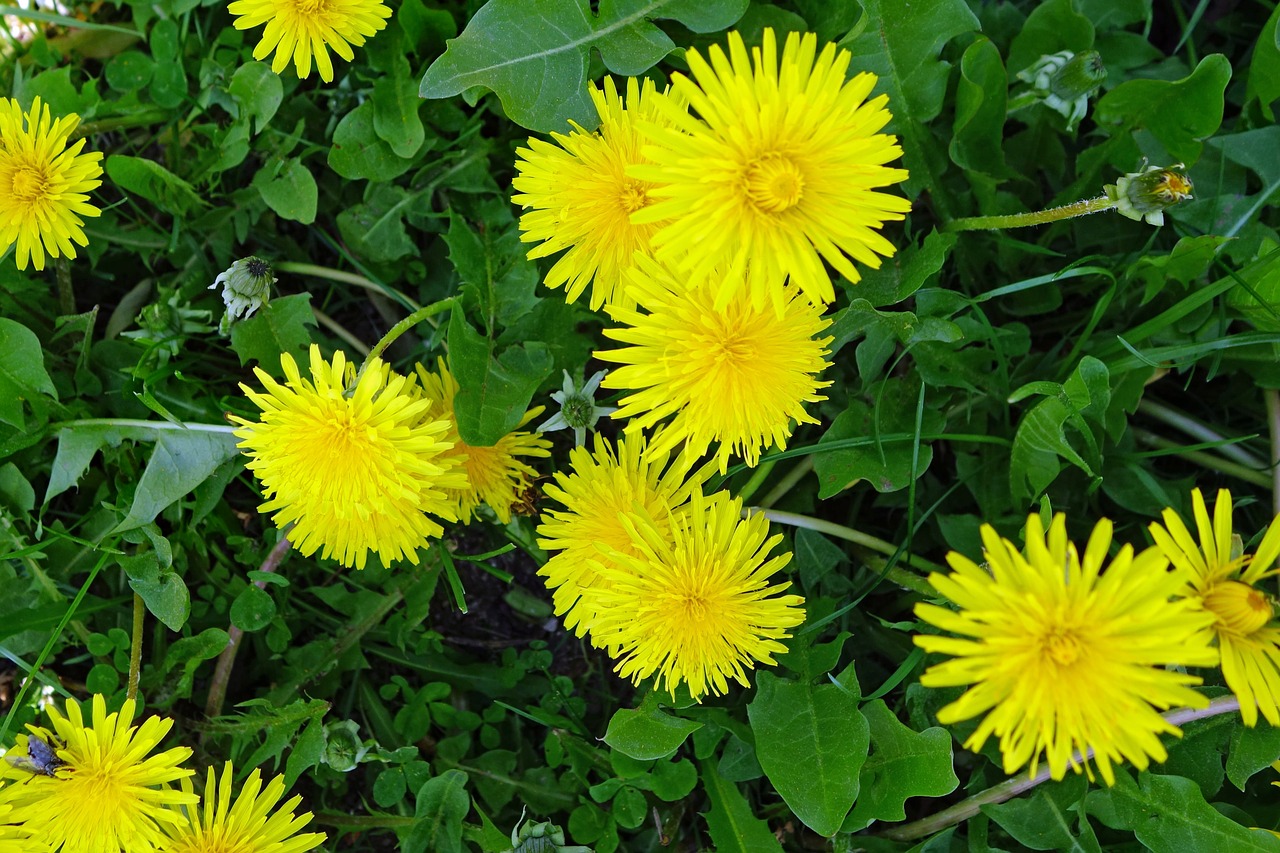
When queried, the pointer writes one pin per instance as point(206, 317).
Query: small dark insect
point(41, 758)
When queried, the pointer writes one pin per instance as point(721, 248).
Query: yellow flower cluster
point(101, 786)
point(1072, 655)
point(368, 461)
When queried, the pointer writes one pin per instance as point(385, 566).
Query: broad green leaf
point(1052, 26)
point(903, 763)
point(154, 182)
point(129, 71)
point(646, 733)
point(190, 653)
point(495, 390)
point(901, 44)
point(811, 742)
point(182, 460)
point(672, 781)
point(1045, 819)
point(1169, 815)
point(732, 826)
point(815, 556)
point(56, 89)
point(258, 92)
point(292, 193)
point(494, 267)
point(442, 804)
point(1252, 750)
point(160, 588)
point(1041, 439)
point(375, 229)
point(395, 112)
point(358, 151)
point(1264, 69)
point(22, 373)
point(253, 609)
point(534, 54)
point(16, 493)
point(977, 133)
point(278, 327)
point(902, 275)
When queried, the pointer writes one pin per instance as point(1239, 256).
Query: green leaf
point(253, 609)
point(375, 228)
point(292, 193)
point(1044, 821)
point(1041, 438)
point(811, 742)
point(493, 266)
point(903, 763)
point(278, 327)
point(22, 373)
point(1052, 26)
point(494, 390)
point(1264, 69)
point(732, 826)
point(77, 445)
point(1169, 815)
point(182, 460)
point(900, 276)
point(358, 152)
point(1252, 750)
point(672, 781)
point(191, 652)
point(901, 44)
point(534, 54)
point(395, 113)
point(154, 182)
point(646, 733)
point(258, 92)
point(129, 71)
point(160, 588)
point(982, 95)
point(442, 804)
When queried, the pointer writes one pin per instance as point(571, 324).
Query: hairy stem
point(1037, 217)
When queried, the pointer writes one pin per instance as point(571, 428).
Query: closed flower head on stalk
point(1225, 583)
point(579, 197)
point(1064, 652)
point(355, 464)
point(44, 183)
point(303, 30)
point(496, 475)
point(778, 172)
point(735, 375)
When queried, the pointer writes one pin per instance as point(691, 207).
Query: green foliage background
point(1096, 366)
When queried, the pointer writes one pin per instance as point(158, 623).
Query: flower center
point(1063, 647)
point(29, 185)
point(774, 183)
point(632, 196)
point(1241, 609)
point(311, 7)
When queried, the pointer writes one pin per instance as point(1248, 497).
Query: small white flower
point(246, 287)
point(578, 409)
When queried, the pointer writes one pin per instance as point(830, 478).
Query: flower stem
point(1038, 217)
point(757, 480)
point(406, 324)
point(1199, 431)
point(1011, 788)
point(345, 277)
point(89, 128)
point(135, 646)
point(1273, 418)
point(902, 578)
point(66, 293)
point(1206, 460)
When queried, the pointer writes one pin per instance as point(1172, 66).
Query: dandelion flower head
point(44, 183)
point(14, 839)
point(777, 173)
point(1225, 583)
point(354, 464)
point(735, 375)
point(600, 486)
point(112, 792)
point(579, 197)
point(243, 821)
point(496, 475)
point(693, 600)
point(302, 30)
point(1060, 654)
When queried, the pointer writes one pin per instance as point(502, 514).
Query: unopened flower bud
point(246, 287)
point(1146, 194)
point(578, 409)
point(1064, 81)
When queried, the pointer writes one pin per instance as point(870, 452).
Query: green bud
point(343, 749)
point(544, 837)
point(578, 409)
point(1146, 194)
point(246, 287)
point(1064, 81)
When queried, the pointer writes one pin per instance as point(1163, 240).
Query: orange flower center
point(633, 196)
point(774, 183)
point(29, 185)
point(1241, 609)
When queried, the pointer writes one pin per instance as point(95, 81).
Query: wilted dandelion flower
point(692, 599)
point(1225, 583)
point(775, 175)
point(44, 184)
point(599, 488)
point(355, 465)
point(581, 197)
point(112, 793)
point(496, 475)
point(1062, 655)
point(301, 29)
point(736, 375)
point(244, 821)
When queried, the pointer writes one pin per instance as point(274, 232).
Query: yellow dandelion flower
point(110, 792)
point(13, 838)
point(303, 29)
point(777, 175)
point(355, 465)
point(495, 475)
point(692, 600)
point(1225, 583)
point(582, 197)
point(600, 487)
point(1063, 655)
point(44, 184)
point(245, 821)
point(736, 375)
